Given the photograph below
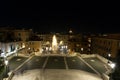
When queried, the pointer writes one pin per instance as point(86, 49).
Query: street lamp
point(112, 65)
point(81, 49)
point(109, 55)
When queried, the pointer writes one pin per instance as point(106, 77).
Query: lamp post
point(112, 65)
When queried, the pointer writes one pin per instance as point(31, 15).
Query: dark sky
point(57, 19)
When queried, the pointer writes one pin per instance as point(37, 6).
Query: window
point(19, 34)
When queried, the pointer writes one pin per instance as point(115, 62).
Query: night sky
point(57, 19)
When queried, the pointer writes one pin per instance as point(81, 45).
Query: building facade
point(12, 40)
point(8, 48)
point(23, 34)
point(106, 46)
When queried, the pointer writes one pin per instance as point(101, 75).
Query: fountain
point(54, 44)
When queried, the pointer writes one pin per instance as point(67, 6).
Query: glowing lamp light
point(29, 48)
point(23, 45)
point(81, 49)
point(112, 65)
point(61, 42)
point(70, 31)
point(66, 46)
point(46, 48)
point(109, 55)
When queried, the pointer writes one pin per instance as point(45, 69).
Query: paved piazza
point(55, 68)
